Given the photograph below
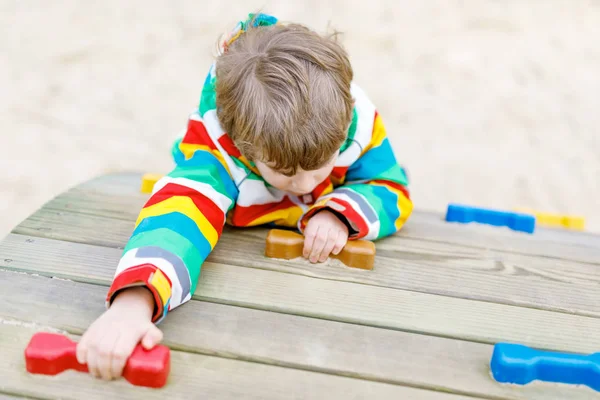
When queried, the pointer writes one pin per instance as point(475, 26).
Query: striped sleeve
point(180, 224)
point(374, 200)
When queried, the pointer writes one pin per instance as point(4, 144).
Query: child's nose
point(304, 185)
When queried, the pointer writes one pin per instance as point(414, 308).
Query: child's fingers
point(152, 337)
point(329, 245)
point(105, 354)
point(120, 355)
point(90, 336)
point(92, 359)
point(310, 234)
point(340, 242)
point(124, 346)
point(82, 347)
point(90, 348)
point(319, 245)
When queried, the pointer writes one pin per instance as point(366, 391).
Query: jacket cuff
point(149, 276)
point(357, 227)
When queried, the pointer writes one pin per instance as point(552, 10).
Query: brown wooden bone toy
point(288, 245)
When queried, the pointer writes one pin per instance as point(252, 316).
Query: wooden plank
point(114, 202)
point(560, 246)
point(404, 263)
point(327, 299)
point(6, 396)
point(117, 197)
point(84, 202)
point(489, 276)
point(192, 375)
point(404, 248)
point(114, 232)
point(78, 228)
point(296, 342)
point(544, 234)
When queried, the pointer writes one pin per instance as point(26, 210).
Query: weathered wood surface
point(419, 325)
point(278, 339)
point(117, 197)
point(557, 284)
point(325, 298)
point(193, 375)
point(4, 396)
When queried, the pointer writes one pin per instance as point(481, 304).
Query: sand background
point(494, 103)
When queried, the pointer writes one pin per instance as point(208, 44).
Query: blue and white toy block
point(513, 220)
point(520, 365)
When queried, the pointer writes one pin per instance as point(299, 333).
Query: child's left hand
point(324, 234)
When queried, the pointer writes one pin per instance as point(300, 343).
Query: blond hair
point(283, 96)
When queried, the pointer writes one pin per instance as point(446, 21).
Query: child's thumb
point(152, 337)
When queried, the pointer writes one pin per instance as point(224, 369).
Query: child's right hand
point(110, 340)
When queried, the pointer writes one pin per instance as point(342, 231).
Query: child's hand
point(110, 340)
point(324, 234)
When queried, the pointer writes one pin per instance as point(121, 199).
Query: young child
point(282, 136)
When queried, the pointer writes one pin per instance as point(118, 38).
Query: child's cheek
point(276, 181)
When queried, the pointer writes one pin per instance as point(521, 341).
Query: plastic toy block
point(576, 223)
point(466, 214)
point(518, 364)
point(288, 245)
point(148, 182)
point(51, 354)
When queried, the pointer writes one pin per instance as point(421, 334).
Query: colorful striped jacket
point(213, 183)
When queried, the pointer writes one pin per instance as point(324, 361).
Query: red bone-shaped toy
point(51, 354)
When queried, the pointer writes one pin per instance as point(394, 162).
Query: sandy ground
point(487, 102)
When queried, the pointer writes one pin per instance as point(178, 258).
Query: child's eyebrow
point(289, 174)
point(285, 172)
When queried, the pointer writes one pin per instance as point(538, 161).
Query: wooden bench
point(421, 325)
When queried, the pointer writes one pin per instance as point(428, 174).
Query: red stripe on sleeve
point(197, 134)
point(229, 146)
point(205, 205)
point(318, 191)
point(139, 275)
point(344, 208)
point(243, 216)
point(395, 185)
point(339, 172)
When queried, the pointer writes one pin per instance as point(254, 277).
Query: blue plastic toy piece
point(513, 220)
point(518, 364)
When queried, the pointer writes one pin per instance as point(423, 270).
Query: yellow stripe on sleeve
point(378, 136)
point(162, 286)
point(285, 217)
point(186, 206)
point(188, 151)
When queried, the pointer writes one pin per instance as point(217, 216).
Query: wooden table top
point(421, 325)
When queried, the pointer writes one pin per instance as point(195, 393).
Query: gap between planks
point(15, 396)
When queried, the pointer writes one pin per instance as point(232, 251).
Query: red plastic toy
point(51, 354)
